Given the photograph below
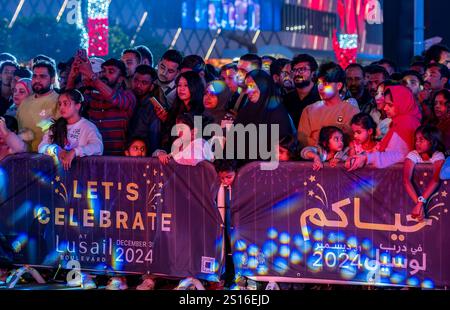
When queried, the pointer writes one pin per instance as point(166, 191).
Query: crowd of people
point(374, 115)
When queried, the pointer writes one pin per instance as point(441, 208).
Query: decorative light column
point(98, 27)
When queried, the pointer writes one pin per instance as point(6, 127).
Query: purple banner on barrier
point(296, 225)
point(119, 214)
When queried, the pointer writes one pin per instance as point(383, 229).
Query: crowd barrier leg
point(16, 274)
point(190, 284)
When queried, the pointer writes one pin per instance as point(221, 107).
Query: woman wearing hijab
point(21, 90)
point(399, 141)
point(263, 107)
point(215, 101)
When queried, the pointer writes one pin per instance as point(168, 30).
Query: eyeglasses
point(301, 70)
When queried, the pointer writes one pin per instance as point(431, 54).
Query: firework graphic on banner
point(436, 203)
point(154, 189)
point(316, 190)
point(60, 189)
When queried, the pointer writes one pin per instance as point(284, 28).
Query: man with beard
point(37, 111)
point(282, 82)
point(356, 84)
point(303, 69)
point(110, 104)
point(145, 122)
point(7, 69)
point(286, 78)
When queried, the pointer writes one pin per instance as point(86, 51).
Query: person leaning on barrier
point(71, 135)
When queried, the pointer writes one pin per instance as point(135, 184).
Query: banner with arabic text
point(296, 225)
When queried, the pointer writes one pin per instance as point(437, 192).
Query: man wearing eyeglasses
point(303, 69)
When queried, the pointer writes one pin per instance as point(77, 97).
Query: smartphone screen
point(82, 54)
point(155, 102)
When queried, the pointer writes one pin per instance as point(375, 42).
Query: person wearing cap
point(110, 105)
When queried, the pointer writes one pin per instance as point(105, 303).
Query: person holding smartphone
point(110, 105)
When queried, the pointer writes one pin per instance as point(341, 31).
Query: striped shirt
point(111, 118)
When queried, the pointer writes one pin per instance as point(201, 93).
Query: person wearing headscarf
point(401, 107)
point(263, 107)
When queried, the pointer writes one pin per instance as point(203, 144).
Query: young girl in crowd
point(364, 129)
point(187, 149)
point(331, 148)
point(10, 142)
point(71, 135)
point(227, 171)
point(288, 148)
point(428, 150)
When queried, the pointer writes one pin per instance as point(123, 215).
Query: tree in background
point(43, 35)
point(39, 35)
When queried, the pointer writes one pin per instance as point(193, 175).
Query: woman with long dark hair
point(190, 89)
point(215, 100)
